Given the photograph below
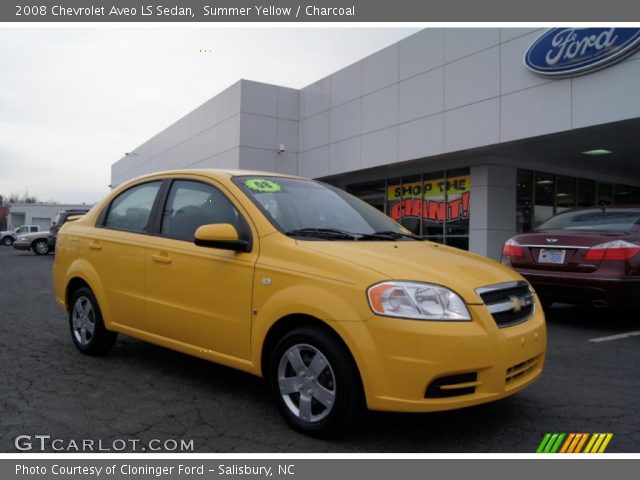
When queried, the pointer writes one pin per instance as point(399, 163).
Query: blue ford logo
point(565, 52)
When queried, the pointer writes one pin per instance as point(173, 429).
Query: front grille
point(453, 385)
point(521, 370)
point(509, 303)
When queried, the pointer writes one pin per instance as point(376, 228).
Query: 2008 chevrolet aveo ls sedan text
point(337, 306)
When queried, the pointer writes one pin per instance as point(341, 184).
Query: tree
point(3, 214)
point(22, 198)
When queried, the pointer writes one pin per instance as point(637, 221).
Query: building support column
point(493, 209)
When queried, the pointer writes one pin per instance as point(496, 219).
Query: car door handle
point(161, 259)
point(95, 246)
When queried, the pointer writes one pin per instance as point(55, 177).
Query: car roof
point(219, 173)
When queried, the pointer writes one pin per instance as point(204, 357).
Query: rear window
point(594, 220)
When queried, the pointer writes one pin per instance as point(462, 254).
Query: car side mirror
point(221, 235)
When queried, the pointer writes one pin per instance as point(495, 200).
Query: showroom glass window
point(565, 193)
point(540, 195)
point(434, 205)
point(193, 204)
point(410, 217)
point(605, 193)
point(524, 201)
point(586, 195)
point(373, 193)
point(544, 199)
point(626, 195)
point(130, 210)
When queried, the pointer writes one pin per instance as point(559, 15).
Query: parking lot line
point(614, 337)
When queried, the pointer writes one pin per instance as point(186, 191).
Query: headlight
point(419, 301)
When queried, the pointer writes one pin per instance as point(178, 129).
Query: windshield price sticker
point(262, 185)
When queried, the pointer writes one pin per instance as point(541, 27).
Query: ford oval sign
point(565, 52)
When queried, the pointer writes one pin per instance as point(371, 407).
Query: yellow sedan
point(337, 306)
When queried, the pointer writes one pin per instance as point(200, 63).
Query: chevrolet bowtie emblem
point(516, 303)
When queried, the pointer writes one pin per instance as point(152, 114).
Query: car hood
point(430, 262)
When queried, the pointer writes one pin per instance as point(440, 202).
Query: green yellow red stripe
point(591, 443)
point(568, 442)
point(543, 443)
point(581, 443)
point(605, 443)
point(557, 442)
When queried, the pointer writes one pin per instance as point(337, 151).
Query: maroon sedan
point(587, 255)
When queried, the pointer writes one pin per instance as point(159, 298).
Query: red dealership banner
point(439, 200)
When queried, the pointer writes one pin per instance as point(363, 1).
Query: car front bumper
point(422, 366)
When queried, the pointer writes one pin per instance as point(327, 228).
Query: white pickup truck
point(9, 236)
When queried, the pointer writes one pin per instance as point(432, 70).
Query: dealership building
point(449, 131)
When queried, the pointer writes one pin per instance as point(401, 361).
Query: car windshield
point(306, 208)
point(617, 220)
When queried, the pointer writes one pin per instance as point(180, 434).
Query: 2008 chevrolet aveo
point(337, 306)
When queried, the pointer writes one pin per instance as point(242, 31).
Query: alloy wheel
point(307, 383)
point(41, 248)
point(83, 321)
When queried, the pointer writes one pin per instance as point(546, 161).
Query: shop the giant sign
point(566, 52)
point(433, 200)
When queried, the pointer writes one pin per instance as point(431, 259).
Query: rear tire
point(315, 382)
point(87, 327)
point(40, 247)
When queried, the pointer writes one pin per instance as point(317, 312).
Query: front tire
point(315, 382)
point(87, 327)
point(40, 247)
point(7, 241)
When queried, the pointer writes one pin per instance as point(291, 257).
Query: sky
point(74, 100)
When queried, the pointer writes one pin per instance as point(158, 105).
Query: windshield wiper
point(329, 233)
point(334, 234)
point(394, 234)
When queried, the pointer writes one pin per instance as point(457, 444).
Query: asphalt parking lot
point(145, 392)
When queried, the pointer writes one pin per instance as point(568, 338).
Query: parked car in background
point(9, 236)
point(60, 219)
point(36, 241)
point(336, 305)
point(587, 255)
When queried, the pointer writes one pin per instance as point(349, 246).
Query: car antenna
point(603, 206)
